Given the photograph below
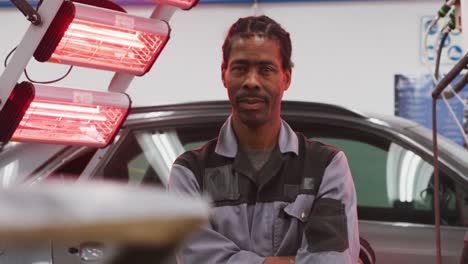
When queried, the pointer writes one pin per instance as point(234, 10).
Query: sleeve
point(207, 245)
point(331, 232)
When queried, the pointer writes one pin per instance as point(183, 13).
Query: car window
point(194, 145)
point(144, 157)
point(395, 184)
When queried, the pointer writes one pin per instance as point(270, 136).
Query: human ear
point(223, 71)
point(287, 78)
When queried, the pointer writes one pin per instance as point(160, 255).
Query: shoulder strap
point(198, 160)
point(317, 158)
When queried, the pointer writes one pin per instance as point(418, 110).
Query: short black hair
point(259, 26)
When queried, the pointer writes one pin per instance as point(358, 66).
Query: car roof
point(224, 105)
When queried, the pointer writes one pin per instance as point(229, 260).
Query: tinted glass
point(395, 184)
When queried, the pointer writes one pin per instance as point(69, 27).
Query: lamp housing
point(100, 38)
point(47, 114)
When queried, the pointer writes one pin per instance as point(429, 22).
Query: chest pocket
point(301, 207)
point(290, 225)
point(221, 183)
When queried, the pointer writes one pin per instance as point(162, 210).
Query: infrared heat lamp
point(100, 38)
point(182, 4)
point(47, 114)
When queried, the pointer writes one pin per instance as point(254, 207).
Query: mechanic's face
point(255, 80)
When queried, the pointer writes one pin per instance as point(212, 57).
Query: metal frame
point(26, 49)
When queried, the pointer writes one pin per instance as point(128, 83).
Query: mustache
point(241, 96)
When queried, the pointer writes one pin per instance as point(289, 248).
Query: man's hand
point(279, 260)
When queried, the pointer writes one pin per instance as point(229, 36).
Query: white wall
point(344, 52)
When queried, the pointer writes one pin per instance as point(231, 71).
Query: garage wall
point(345, 52)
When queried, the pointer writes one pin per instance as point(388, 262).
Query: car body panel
point(411, 243)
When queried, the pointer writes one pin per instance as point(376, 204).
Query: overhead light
point(100, 38)
point(183, 4)
point(46, 114)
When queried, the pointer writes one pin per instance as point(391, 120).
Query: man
point(278, 197)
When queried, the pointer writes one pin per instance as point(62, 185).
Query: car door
point(392, 177)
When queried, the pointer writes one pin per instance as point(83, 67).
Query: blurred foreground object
point(137, 224)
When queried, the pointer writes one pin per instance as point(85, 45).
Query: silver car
point(390, 159)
